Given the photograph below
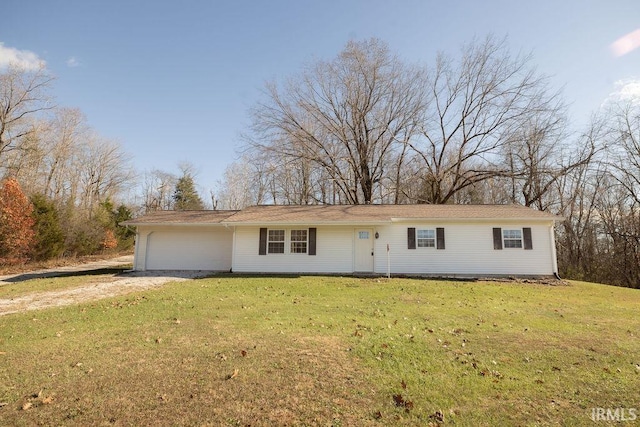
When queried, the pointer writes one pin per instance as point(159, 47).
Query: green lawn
point(258, 351)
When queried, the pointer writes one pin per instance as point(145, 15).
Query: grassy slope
point(326, 350)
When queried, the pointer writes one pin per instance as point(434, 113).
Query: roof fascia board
point(310, 222)
point(169, 224)
point(492, 219)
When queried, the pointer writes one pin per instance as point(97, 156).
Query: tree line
point(482, 126)
point(59, 179)
point(63, 187)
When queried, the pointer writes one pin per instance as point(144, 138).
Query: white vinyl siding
point(469, 250)
point(334, 252)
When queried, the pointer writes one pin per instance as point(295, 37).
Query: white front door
point(364, 250)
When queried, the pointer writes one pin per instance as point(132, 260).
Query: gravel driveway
point(95, 288)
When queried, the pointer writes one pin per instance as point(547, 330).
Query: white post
point(388, 263)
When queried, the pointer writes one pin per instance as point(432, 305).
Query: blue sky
point(173, 81)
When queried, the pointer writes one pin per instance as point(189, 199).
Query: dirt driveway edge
point(114, 285)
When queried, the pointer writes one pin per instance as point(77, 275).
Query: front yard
point(239, 351)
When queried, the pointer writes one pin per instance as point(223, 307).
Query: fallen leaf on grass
point(400, 402)
point(243, 353)
point(26, 406)
point(437, 416)
point(403, 384)
point(47, 400)
point(234, 375)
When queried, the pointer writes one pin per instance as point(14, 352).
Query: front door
point(364, 250)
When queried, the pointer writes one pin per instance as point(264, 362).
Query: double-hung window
point(275, 244)
point(512, 238)
point(426, 238)
point(299, 241)
point(287, 241)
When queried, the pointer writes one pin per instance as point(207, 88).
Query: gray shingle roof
point(318, 214)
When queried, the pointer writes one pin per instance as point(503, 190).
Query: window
point(302, 241)
point(363, 235)
point(298, 241)
point(275, 243)
point(512, 238)
point(426, 238)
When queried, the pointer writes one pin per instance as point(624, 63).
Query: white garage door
point(189, 250)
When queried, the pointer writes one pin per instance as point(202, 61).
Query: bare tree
point(68, 131)
point(104, 170)
point(23, 94)
point(475, 105)
point(539, 153)
point(345, 116)
point(623, 120)
point(158, 189)
point(244, 184)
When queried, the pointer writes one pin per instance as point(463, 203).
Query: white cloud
point(20, 58)
point(625, 91)
point(626, 43)
point(73, 62)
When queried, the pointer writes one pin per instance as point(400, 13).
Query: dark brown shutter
point(528, 243)
point(312, 241)
point(497, 238)
point(440, 238)
point(411, 238)
point(263, 242)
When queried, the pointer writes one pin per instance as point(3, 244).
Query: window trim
point(506, 239)
point(270, 240)
point(431, 241)
point(439, 238)
point(305, 241)
point(311, 241)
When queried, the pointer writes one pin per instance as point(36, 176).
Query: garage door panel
point(189, 250)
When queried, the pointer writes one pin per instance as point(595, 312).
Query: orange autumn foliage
point(110, 241)
point(17, 235)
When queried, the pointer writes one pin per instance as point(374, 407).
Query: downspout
point(136, 250)
point(233, 246)
point(554, 256)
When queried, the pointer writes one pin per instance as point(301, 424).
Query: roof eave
point(306, 222)
point(475, 219)
point(164, 224)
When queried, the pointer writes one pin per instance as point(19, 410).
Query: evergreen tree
point(124, 235)
point(49, 237)
point(185, 196)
